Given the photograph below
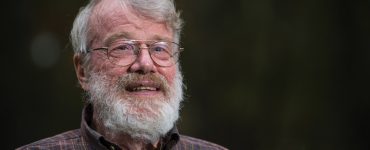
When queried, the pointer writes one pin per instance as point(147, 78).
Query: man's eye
point(158, 49)
point(124, 47)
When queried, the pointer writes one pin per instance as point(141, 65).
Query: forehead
point(112, 17)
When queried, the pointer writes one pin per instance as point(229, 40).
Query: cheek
point(168, 73)
point(100, 64)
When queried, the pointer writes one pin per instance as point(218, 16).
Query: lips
point(143, 87)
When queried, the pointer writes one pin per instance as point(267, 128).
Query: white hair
point(157, 10)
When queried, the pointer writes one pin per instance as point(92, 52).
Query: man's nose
point(143, 63)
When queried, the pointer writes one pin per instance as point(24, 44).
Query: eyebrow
point(161, 38)
point(126, 35)
point(112, 38)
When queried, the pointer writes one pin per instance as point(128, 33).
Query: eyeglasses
point(125, 52)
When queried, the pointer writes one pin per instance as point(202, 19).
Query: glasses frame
point(148, 45)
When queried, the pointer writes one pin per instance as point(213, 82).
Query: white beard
point(142, 119)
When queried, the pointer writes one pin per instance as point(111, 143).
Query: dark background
point(261, 74)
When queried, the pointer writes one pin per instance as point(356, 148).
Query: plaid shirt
point(86, 138)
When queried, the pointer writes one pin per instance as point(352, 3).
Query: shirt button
point(112, 147)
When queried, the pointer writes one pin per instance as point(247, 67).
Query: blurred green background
point(260, 74)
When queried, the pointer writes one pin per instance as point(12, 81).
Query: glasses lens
point(122, 53)
point(163, 53)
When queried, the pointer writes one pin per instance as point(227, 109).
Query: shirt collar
point(97, 141)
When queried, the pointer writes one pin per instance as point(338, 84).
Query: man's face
point(111, 21)
point(141, 99)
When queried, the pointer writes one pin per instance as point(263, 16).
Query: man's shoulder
point(61, 141)
point(187, 142)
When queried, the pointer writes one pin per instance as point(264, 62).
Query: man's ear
point(80, 71)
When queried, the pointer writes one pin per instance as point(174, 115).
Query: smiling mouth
point(143, 87)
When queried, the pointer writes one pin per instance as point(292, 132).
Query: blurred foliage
point(260, 74)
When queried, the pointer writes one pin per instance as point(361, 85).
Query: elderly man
point(126, 54)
